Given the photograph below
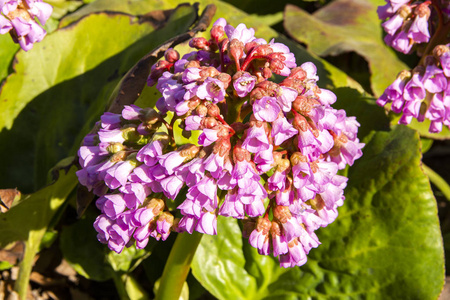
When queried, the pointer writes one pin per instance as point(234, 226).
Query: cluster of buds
point(18, 17)
point(407, 24)
point(424, 92)
point(267, 153)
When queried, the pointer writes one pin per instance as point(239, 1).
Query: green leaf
point(4, 265)
point(129, 257)
point(63, 7)
point(34, 212)
point(231, 269)
point(82, 250)
point(48, 239)
point(51, 102)
point(344, 26)
point(29, 220)
point(7, 50)
point(133, 7)
point(422, 128)
point(330, 77)
point(426, 144)
point(369, 114)
point(385, 243)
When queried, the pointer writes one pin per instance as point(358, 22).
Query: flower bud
point(188, 151)
point(115, 147)
point(206, 72)
point(199, 43)
point(201, 110)
point(213, 110)
point(222, 146)
point(439, 50)
point(217, 33)
point(119, 156)
point(171, 55)
point(236, 49)
point(263, 50)
point(155, 204)
point(298, 73)
point(297, 158)
point(250, 46)
point(225, 78)
point(209, 122)
point(282, 213)
point(263, 225)
point(300, 123)
point(317, 203)
point(149, 116)
point(240, 154)
point(422, 10)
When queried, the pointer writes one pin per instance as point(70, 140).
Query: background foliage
point(386, 242)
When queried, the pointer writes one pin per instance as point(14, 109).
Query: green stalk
point(178, 266)
point(120, 285)
point(438, 181)
point(26, 265)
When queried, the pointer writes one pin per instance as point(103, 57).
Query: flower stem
point(438, 181)
point(31, 248)
point(178, 265)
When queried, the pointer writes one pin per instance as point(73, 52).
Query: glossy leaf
point(54, 101)
point(82, 250)
point(63, 7)
point(7, 50)
point(343, 26)
point(134, 7)
point(422, 128)
point(385, 243)
point(34, 212)
point(369, 114)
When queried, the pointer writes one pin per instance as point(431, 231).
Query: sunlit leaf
point(343, 26)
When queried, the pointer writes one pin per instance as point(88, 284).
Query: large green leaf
point(229, 268)
point(90, 259)
point(330, 76)
point(63, 7)
point(343, 26)
point(422, 128)
point(133, 7)
point(7, 50)
point(370, 115)
point(34, 212)
point(385, 243)
point(63, 85)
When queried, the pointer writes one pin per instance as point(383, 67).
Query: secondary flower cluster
point(267, 153)
point(407, 24)
point(18, 17)
point(424, 92)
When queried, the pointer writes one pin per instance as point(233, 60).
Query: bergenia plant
point(268, 152)
point(149, 151)
point(423, 92)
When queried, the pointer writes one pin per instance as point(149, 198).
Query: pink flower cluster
point(423, 93)
point(18, 17)
point(268, 153)
point(407, 23)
